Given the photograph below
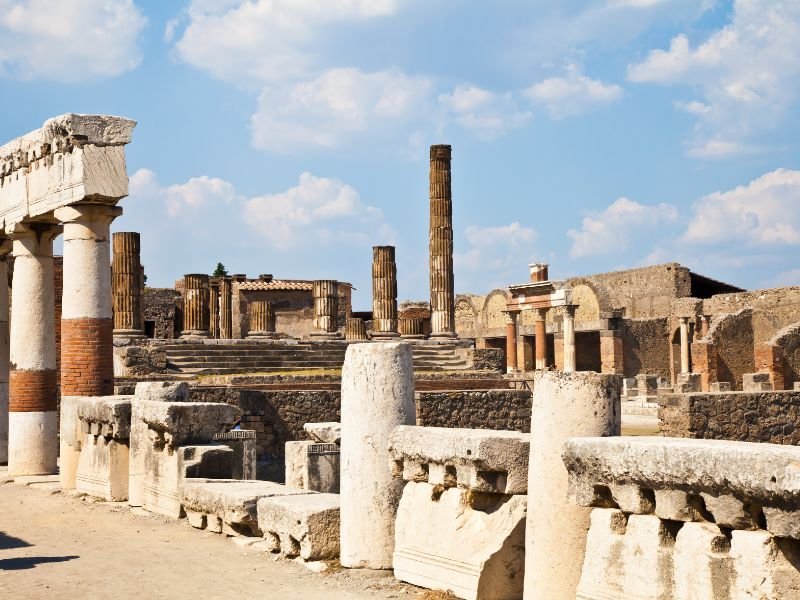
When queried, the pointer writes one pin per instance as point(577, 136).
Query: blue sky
point(290, 136)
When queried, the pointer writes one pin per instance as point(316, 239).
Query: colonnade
point(540, 331)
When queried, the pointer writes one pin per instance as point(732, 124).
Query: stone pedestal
point(443, 322)
point(511, 342)
point(196, 315)
point(411, 328)
point(326, 309)
point(5, 248)
point(225, 308)
point(32, 418)
point(213, 308)
point(126, 285)
point(313, 466)
point(540, 331)
point(569, 339)
point(384, 293)
point(355, 329)
point(377, 395)
point(262, 319)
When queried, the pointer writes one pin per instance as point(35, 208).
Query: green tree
point(220, 271)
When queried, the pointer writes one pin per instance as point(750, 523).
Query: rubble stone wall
point(773, 309)
point(646, 347)
point(160, 307)
point(733, 337)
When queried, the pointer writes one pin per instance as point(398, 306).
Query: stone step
point(252, 366)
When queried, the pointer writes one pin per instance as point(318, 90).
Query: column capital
point(81, 213)
point(511, 316)
point(683, 320)
point(569, 310)
point(33, 236)
point(540, 314)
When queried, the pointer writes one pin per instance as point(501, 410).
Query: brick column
point(126, 285)
point(704, 362)
point(569, 339)
point(611, 352)
point(326, 309)
point(684, 327)
point(511, 341)
point(443, 321)
point(769, 358)
point(705, 324)
point(32, 418)
point(384, 293)
point(5, 248)
point(213, 308)
point(540, 331)
point(225, 308)
point(196, 317)
point(262, 319)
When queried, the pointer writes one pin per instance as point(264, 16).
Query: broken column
point(196, 317)
point(32, 418)
point(5, 248)
point(684, 328)
point(213, 308)
point(705, 325)
point(126, 285)
point(225, 308)
point(411, 328)
point(355, 329)
point(569, 339)
point(377, 395)
point(384, 293)
point(540, 331)
point(511, 341)
point(443, 321)
point(564, 405)
point(262, 319)
point(326, 309)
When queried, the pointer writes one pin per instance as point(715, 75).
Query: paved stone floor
point(57, 546)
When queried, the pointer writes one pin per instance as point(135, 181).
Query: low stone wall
point(476, 409)
point(743, 416)
point(487, 359)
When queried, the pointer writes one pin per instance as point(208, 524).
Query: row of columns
point(540, 331)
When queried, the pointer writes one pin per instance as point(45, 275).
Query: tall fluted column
point(443, 320)
point(540, 331)
point(196, 318)
point(126, 284)
point(685, 367)
point(511, 341)
point(225, 308)
point(569, 339)
point(5, 248)
point(262, 319)
point(213, 308)
point(326, 309)
point(384, 293)
point(32, 418)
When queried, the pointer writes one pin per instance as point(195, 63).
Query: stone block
point(103, 468)
point(783, 523)
point(228, 505)
point(603, 572)
point(632, 499)
point(178, 423)
point(243, 444)
point(109, 416)
point(476, 459)
point(756, 382)
point(647, 384)
point(470, 543)
point(647, 554)
point(763, 566)
point(729, 512)
point(302, 525)
point(324, 433)
point(720, 386)
point(689, 383)
point(702, 565)
point(312, 466)
point(162, 391)
point(676, 505)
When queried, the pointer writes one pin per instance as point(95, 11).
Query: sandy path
point(58, 546)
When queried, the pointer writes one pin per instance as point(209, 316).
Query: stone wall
point(772, 417)
point(773, 309)
point(161, 309)
point(484, 409)
point(789, 341)
point(733, 337)
point(646, 347)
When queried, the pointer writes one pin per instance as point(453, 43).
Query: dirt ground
point(57, 546)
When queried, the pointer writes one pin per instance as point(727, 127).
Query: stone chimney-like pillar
point(5, 248)
point(196, 318)
point(384, 293)
point(262, 319)
point(32, 418)
point(225, 308)
point(126, 285)
point(213, 308)
point(326, 309)
point(540, 331)
point(443, 321)
point(569, 339)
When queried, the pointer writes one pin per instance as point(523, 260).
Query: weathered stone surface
point(480, 460)
point(470, 543)
point(227, 504)
point(756, 382)
point(603, 572)
point(676, 505)
point(243, 444)
point(162, 391)
point(764, 567)
point(325, 433)
point(702, 565)
point(302, 525)
point(109, 416)
point(312, 466)
point(176, 424)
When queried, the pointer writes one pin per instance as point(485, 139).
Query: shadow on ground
point(30, 562)
point(9, 541)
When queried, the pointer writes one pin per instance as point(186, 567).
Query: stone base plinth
point(449, 335)
point(129, 333)
point(264, 335)
point(326, 335)
point(413, 337)
point(195, 334)
point(390, 336)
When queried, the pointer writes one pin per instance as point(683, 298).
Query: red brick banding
point(32, 391)
point(87, 357)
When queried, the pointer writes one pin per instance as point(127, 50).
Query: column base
point(264, 335)
point(195, 334)
point(32, 443)
point(326, 335)
point(129, 333)
point(413, 336)
point(450, 335)
point(385, 336)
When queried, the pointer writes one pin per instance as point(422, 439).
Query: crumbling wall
point(733, 337)
point(773, 309)
point(160, 308)
point(788, 339)
point(771, 417)
point(646, 347)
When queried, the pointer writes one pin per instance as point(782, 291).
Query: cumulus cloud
point(613, 229)
point(496, 247)
point(746, 75)
point(764, 212)
point(80, 40)
point(572, 94)
point(489, 114)
point(178, 199)
point(316, 208)
point(335, 106)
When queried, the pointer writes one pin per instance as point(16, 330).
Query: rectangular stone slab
point(305, 526)
point(109, 416)
point(182, 423)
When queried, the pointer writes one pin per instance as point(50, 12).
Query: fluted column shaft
point(443, 322)
point(326, 306)
point(213, 308)
point(196, 315)
point(384, 292)
point(126, 284)
point(569, 340)
point(225, 308)
point(262, 318)
point(355, 329)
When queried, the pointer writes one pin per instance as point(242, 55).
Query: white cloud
point(489, 114)
point(746, 73)
point(573, 94)
point(179, 199)
point(54, 40)
point(613, 229)
point(335, 106)
point(261, 41)
point(766, 211)
point(496, 247)
point(316, 208)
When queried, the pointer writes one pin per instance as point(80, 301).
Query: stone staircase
point(254, 357)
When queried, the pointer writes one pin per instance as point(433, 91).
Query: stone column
point(569, 339)
point(411, 328)
point(705, 324)
point(196, 319)
point(262, 319)
point(326, 309)
point(126, 285)
point(684, 325)
point(443, 320)
point(213, 308)
point(32, 418)
point(355, 329)
point(611, 351)
point(540, 331)
point(225, 308)
point(564, 405)
point(384, 293)
point(5, 248)
point(511, 341)
point(377, 396)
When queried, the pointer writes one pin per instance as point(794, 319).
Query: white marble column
point(685, 367)
point(540, 329)
point(569, 339)
point(5, 248)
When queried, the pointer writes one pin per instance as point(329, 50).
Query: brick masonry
point(33, 391)
point(87, 361)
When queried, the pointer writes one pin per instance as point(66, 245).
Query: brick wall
point(33, 391)
point(87, 361)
